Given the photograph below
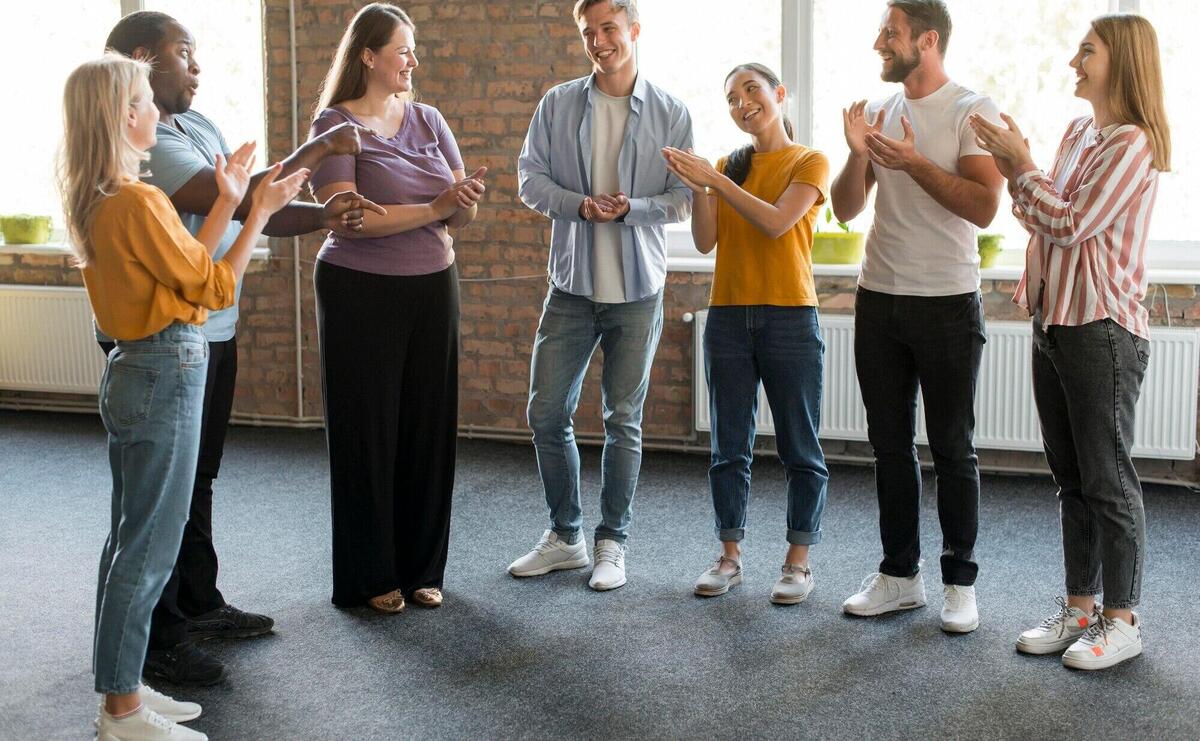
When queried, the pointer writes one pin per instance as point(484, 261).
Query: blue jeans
point(780, 346)
point(151, 401)
point(570, 329)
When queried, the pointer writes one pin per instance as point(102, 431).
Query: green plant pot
point(989, 249)
point(25, 229)
point(838, 248)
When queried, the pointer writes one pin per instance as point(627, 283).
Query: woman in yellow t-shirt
point(150, 284)
point(758, 207)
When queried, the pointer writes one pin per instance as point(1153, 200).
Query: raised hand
point(345, 138)
point(856, 127)
point(272, 195)
point(697, 172)
point(472, 189)
point(233, 174)
point(343, 213)
point(894, 154)
point(1008, 146)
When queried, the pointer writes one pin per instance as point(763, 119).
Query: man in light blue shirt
point(592, 162)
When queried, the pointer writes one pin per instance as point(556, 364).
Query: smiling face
point(753, 105)
point(896, 46)
point(142, 117)
point(608, 38)
point(390, 67)
point(1091, 65)
point(176, 74)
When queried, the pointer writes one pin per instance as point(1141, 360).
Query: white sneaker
point(1108, 642)
point(1056, 632)
point(168, 707)
point(960, 614)
point(550, 554)
point(725, 573)
point(882, 593)
point(144, 725)
point(610, 566)
point(794, 585)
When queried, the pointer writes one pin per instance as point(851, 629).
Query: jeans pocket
point(193, 354)
point(129, 392)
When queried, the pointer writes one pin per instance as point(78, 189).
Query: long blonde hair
point(371, 28)
point(1135, 81)
point(97, 157)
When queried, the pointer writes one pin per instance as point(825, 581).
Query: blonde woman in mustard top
point(151, 285)
point(758, 207)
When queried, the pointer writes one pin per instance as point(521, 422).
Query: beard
point(901, 68)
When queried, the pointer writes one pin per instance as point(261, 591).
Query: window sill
point(58, 249)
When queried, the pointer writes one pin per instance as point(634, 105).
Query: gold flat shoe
point(428, 597)
point(390, 603)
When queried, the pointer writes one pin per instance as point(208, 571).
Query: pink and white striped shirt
point(1087, 244)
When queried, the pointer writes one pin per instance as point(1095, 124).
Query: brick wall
point(485, 66)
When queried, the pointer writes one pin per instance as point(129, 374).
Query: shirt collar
point(639, 87)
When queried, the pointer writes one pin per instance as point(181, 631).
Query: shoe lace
point(544, 545)
point(150, 691)
point(954, 597)
point(610, 554)
point(716, 567)
point(795, 572)
point(874, 581)
point(158, 721)
point(1098, 631)
point(1058, 621)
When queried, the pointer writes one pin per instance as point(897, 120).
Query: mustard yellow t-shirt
point(147, 272)
point(753, 268)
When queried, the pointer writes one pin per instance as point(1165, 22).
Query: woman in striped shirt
point(1084, 281)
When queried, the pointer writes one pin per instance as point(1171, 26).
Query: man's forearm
point(961, 196)
point(309, 155)
point(295, 219)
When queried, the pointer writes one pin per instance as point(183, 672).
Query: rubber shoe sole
point(955, 628)
point(1104, 662)
point(577, 563)
point(607, 587)
point(883, 609)
point(782, 600)
point(1041, 649)
point(733, 582)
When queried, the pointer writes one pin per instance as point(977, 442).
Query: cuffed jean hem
point(1126, 605)
point(610, 535)
point(109, 691)
point(731, 534)
point(570, 537)
point(800, 537)
point(1084, 592)
point(887, 571)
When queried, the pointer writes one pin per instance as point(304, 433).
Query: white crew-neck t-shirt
point(609, 116)
point(915, 246)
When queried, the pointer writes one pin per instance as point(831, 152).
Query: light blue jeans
point(151, 401)
point(571, 328)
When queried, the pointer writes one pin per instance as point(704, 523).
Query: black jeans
point(1086, 382)
point(192, 588)
point(936, 343)
point(389, 378)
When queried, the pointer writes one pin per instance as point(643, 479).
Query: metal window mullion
point(797, 43)
point(129, 6)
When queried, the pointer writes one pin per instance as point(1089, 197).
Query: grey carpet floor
point(547, 657)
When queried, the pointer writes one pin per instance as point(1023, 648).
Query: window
point(1016, 54)
point(229, 49)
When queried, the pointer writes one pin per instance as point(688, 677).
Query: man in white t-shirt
point(918, 314)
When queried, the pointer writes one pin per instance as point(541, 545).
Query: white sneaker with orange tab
point(1056, 632)
point(1108, 642)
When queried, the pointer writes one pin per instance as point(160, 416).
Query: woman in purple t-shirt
point(387, 321)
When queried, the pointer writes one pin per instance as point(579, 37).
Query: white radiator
point(1005, 415)
point(47, 342)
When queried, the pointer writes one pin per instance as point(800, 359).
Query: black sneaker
point(228, 622)
point(183, 664)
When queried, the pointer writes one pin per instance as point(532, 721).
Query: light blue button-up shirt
point(555, 175)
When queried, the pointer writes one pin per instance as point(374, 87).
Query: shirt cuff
point(639, 212)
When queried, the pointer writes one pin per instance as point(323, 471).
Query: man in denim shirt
point(592, 163)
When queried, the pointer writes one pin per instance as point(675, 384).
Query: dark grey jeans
point(1086, 381)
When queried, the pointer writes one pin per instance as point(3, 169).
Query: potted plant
point(843, 247)
point(989, 248)
point(25, 229)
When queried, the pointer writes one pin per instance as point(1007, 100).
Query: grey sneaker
point(794, 585)
point(725, 573)
point(550, 554)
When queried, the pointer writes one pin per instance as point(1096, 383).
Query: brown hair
point(629, 6)
point(1135, 86)
point(371, 28)
point(927, 15)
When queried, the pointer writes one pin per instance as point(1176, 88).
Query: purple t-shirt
point(412, 167)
